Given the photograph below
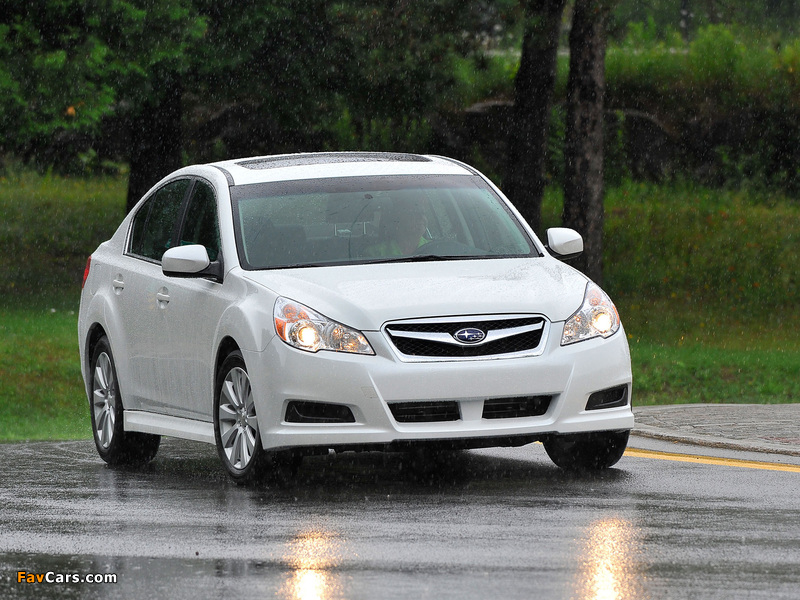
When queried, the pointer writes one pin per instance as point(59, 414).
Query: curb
point(763, 428)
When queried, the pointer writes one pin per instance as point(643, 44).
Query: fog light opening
point(610, 398)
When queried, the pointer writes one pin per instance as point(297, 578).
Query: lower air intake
point(513, 408)
point(425, 412)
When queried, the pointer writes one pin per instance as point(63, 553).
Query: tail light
point(86, 271)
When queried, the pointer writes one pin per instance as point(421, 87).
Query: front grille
point(424, 412)
point(436, 339)
point(512, 408)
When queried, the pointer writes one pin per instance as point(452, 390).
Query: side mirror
point(190, 261)
point(564, 243)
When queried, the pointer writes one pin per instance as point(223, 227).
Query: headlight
point(303, 328)
point(597, 317)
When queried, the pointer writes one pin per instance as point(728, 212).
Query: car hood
point(367, 296)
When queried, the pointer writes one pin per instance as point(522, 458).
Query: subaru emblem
point(469, 335)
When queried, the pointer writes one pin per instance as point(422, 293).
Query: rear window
point(373, 219)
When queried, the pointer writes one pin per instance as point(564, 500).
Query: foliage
point(776, 18)
point(729, 113)
point(376, 135)
point(67, 65)
point(257, 77)
point(276, 65)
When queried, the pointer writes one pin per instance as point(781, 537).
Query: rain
point(664, 133)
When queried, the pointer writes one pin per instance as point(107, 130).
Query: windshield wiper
point(413, 258)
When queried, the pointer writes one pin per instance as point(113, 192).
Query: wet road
point(494, 524)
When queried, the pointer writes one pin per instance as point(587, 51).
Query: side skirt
point(188, 429)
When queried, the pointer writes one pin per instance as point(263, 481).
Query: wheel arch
point(226, 346)
point(93, 335)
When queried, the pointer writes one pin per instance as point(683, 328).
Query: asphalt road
point(490, 524)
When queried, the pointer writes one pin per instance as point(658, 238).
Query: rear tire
point(114, 445)
point(593, 451)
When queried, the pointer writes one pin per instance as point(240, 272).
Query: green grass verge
point(41, 393)
point(706, 283)
point(683, 352)
point(48, 227)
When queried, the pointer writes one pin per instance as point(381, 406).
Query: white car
point(349, 301)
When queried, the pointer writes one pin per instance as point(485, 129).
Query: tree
point(400, 66)
point(134, 77)
point(310, 74)
point(72, 66)
point(583, 146)
point(150, 39)
point(264, 78)
point(54, 78)
point(524, 180)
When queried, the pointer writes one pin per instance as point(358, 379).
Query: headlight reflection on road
point(312, 556)
point(610, 570)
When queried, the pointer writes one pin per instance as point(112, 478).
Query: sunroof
point(327, 158)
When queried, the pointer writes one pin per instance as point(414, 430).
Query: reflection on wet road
point(486, 524)
point(313, 557)
point(610, 568)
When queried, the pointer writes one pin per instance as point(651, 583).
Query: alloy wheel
point(104, 395)
point(238, 424)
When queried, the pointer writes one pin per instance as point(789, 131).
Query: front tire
point(235, 422)
point(114, 445)
point(593, 451)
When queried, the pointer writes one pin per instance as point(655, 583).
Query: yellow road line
point(712, 460)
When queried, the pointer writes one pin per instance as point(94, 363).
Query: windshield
point(373, 219)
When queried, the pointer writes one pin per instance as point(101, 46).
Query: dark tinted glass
point(200, 226)
point(154, 224)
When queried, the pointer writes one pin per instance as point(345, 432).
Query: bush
point(726, 113)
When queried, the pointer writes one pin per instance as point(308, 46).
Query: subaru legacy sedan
point(290, 305)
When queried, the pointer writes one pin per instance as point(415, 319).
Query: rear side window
point(154, 224)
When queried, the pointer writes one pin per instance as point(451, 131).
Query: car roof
point(323, 165)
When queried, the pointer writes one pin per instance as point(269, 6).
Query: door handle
point(162, 298)
point(118, 284)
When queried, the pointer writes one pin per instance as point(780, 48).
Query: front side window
point(154, 223)
point(200, 226)
point(373, 219)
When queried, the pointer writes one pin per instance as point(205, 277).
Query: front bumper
point(367, 385)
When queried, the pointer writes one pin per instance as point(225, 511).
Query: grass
point(685, 352)
point(706, 282)
point(48, 227)
point(41, 393)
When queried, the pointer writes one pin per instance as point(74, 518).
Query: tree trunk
point(685, 20)
point(156, 141)
point(524, 181)
point(583, 146)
